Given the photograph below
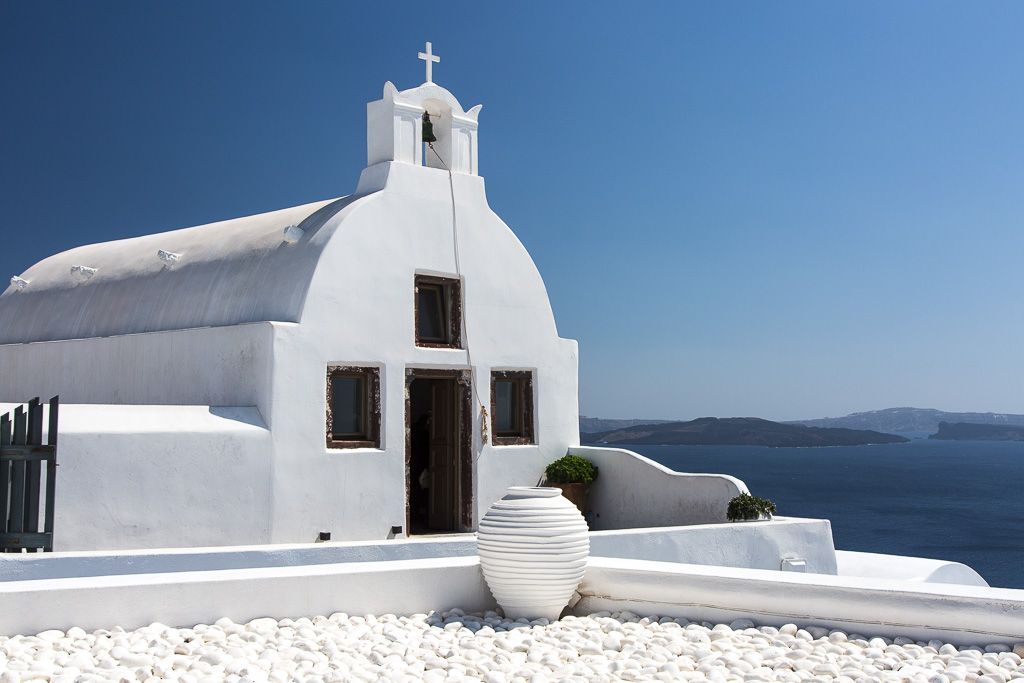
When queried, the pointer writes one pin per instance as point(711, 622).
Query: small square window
point(438, 312)
point(511, 407)
point(353, 407)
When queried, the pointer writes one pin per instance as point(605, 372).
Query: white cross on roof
point(429, 57)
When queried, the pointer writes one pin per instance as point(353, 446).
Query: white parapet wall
point(634, 491)
point(761, 545)
point(922, 611)
point(753, 545)
point(30, 567)
point(971, 615)
point(188, 598)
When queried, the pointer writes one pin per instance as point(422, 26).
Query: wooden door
point(444, 460)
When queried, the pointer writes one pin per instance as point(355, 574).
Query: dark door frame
point(464, 379)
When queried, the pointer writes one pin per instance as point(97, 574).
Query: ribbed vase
point(533, 546)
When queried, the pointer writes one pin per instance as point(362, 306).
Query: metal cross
point(430, 58)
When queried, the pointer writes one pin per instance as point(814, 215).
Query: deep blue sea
point(954, 500)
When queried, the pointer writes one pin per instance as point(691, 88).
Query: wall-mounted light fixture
point(168, 256)
point(293, 234)
point(19, 283)
point(82, 273)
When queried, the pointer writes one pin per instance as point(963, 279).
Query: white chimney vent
point(293, 234)
point(82, 273)
point(168, 256)
point(19, 283)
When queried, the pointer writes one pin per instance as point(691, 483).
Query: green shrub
point(571, 469)
point(746, 506)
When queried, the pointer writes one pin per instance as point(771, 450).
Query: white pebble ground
point(465, 647)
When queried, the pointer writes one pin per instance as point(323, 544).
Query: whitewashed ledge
point(185, 598)
point(962, 614)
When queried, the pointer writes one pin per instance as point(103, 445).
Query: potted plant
point(746, 508)
point(573, 475)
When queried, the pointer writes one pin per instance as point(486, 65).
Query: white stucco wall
point(634, 491)
point(359, 311)
point(219, 366)
point(143, 476)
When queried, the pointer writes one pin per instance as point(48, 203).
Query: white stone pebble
point(488, 648)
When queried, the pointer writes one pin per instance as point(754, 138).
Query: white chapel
point(380, 364)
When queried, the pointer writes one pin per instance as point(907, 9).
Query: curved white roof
point(230, 272)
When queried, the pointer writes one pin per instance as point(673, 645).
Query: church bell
point(428, 129)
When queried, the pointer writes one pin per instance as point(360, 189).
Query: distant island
point(738, 431)
point(593, 425)
point(973, 431)
point(910, 420)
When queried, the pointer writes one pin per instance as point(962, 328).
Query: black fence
point(28, 477)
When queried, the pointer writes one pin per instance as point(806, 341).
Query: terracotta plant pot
point(576, 494)
point(533, 546)
point(763, 517)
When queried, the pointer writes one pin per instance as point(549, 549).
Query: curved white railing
point(633, 491)
point(917, 569)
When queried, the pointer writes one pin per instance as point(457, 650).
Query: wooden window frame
point(451, 303)
point(525, 435)
point(370, 435)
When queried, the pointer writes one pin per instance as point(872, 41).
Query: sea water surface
point(953, 500)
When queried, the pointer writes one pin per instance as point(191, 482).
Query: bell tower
point(394, 126)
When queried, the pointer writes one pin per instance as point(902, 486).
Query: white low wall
point(27, 567)
point(760, 545)
point(754, 545)
point(634, 491)
point(189, 598)
point(921, 611)
point(920, 569)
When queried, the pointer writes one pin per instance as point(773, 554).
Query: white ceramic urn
point(533, 546)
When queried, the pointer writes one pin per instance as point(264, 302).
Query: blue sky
point(786, 209)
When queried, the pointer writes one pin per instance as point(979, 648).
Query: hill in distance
point(592, 425)
point(738, 431)
point(907, 420)
point(972, 431)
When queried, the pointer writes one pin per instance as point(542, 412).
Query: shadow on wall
point(249, 415)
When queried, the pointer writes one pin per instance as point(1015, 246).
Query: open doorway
point(439, 463)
